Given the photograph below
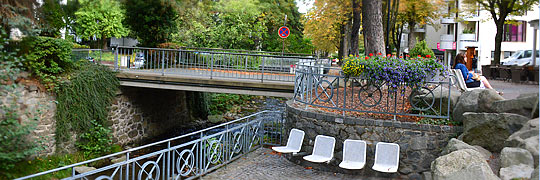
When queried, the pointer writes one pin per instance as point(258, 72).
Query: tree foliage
point(418, 12)
point(18, 14)
point(499, 11)
point(101, 19)
point(151, 21)
point(323, 23)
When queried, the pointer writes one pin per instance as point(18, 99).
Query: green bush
point(14, 144)
point(47, 57)
point(79, 46)
point(421, 49)
point(96, 141)
point(221, 103)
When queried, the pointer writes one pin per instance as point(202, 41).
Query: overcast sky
point(303, 7)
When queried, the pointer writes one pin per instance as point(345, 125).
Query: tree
point(51, 18)
point(151, 21)
point(326, 24)
point(500, 10)
point(372, 26)
point(101, 19)
point(18, 14)
point(418, 12)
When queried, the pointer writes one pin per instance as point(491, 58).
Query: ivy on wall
point(83, 103)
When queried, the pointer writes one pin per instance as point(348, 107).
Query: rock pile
point(505, 128)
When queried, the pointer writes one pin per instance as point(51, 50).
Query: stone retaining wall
point(419, 144)
point(139, 114)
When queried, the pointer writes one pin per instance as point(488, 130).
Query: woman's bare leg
point(486, 83)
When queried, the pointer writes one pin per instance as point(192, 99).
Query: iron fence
point(212, 63)
point(369, 99)
point(188, 156)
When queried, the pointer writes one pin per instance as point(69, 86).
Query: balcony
point(448, 20)
point(464, 44)
point(420, 29)
point(467, 37)
point(447, 38)
point(472, 18)
point(447, 45)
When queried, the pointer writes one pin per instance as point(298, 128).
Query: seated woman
point(472, 80)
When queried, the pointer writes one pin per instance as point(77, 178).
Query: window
point(515, 33)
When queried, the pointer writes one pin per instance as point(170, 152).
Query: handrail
point(147, 145)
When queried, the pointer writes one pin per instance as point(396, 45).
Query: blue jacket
point(465, 72)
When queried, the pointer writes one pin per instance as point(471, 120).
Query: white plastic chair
point(294, 143)
point(460, 81)
point(354, 154)
point(323, 150)
point(386, 157)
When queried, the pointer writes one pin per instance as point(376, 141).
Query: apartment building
point(477, 32)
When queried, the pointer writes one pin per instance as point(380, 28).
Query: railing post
point(262, 71)
point(212, 66)
point(168, 160)
point(163, 63)
point(116, 57)
point(127, 165)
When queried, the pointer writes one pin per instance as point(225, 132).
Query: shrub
point(14, 144)
point(392, 70)
point(96, 141)
point(47, 57)
point(421, 49)
point(168, 45)
point(79, 46)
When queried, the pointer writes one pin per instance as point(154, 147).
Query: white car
point(139, 61)
point(521, 58)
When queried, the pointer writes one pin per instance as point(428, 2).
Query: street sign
point(283, 32)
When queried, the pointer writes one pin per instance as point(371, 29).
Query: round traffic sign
point(283, 32)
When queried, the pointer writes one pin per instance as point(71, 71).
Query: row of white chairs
point(354, 152)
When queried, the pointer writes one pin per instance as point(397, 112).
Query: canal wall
point(420, 144)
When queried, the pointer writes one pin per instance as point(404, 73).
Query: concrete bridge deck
point(193, 82)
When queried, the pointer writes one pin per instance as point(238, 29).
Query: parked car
point(139, 60)
point(521, 58)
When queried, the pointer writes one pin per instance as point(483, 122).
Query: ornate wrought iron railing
point(187, 156)
point(212, 63)
point(365, 98)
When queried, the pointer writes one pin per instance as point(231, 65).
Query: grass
point(40, 164)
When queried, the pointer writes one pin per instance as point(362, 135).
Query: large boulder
point(467, 102)
point(490, 130)
point(526, 138)
point(460, 165)
point(486, 99)
point(514, 156)
point(523, 105)
point(440, 94)
point(455, 144)
point(520, 171)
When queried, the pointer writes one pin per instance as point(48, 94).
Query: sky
point(304, 5)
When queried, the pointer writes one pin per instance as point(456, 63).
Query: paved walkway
point(513, 90)
point(262, 164)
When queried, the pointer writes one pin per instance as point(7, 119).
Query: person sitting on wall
point(472, 80)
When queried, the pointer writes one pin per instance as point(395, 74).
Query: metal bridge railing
point(187, 156)
point(364, 98)
point(238, 65)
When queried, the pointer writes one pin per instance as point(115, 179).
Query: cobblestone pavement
point(262, 164)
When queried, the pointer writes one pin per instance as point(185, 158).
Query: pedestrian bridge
point(211, 70)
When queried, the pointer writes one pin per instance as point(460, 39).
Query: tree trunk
point(357, 18)
point(103, 43)
point(411, 36)
point(345, 41)
point(373, 27)
point(498, 40)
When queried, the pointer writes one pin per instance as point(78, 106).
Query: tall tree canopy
point(500, 10)
point(18, 14)
point(101, 19)
point(151, 21)
point(418, 12)
point(325, 21)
